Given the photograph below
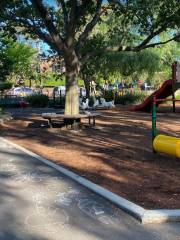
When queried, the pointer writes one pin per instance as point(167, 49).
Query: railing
point(10, 100)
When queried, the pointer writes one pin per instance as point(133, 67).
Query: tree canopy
point(63, 23)
point(66, 26)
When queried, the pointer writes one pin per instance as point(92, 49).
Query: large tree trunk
point(72, 95)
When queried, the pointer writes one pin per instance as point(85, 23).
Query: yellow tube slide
point(167, 144)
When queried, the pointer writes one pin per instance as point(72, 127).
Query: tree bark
point(72, 95)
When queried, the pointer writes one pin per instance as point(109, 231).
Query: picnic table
point(72, 120)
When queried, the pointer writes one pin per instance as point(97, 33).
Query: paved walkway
point(39, 203)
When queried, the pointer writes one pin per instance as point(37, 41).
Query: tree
point(116, 65)
point(23, 57)
point(15, 59)
point(6, 64)
point(66, 25)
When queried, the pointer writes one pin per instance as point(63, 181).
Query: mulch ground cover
point(117, 154)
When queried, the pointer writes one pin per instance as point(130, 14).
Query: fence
point(10, 100)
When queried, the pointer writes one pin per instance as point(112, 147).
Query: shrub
point(38, 100)
point(130, 98)
point(57, 102)
point(5, 86)
point(91, 101)
point(109, 96)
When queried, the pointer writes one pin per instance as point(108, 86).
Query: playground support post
point(173, 96)
point(154, 129)
point(174, 78)
point(60, 96)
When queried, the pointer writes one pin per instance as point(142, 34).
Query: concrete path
point(39, 203)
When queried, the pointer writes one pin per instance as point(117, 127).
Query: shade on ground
point(39, 203)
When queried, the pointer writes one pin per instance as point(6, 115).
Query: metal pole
point(60, 96)
point(154, 129)
point(174, 103)
point(174, 79)
point(54, 98)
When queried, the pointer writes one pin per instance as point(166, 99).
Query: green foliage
point(113, 65)
point(5, 86)
point(134, 64)
point(58, 102)
point(1, 110)
point(38, 100)
point(138, 19)
point(116, 29)
point(124, 26)
point(6, 64)
point(127, 25)
point(109, 95)
point(127, 66)
point(52, 79)
point(15, 59)
point(91, 101)
point(130, 98)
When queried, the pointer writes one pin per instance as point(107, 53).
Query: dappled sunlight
point(117, 156)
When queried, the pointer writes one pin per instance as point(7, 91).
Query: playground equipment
point(167, 144)
point(168, 88)
point(162, 143)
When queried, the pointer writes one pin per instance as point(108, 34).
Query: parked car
point(62, 90)
point(59, 90)
point(22, 91)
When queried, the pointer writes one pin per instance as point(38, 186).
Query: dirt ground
point(117, 154)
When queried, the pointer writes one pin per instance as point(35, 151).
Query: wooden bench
point(72, 120)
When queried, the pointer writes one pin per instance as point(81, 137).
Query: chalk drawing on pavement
point(47, 220)
point(45, 216)
point(67, 198)
point(89, 206)
point(8, 167)
point(96, 210)
point(31, 177)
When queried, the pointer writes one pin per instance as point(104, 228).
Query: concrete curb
point(143, 215)
point(161, 215)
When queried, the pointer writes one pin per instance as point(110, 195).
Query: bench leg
point(50, 123)
point(94, 121)
point(76, 124)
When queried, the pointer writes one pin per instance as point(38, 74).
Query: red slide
point(163, 92)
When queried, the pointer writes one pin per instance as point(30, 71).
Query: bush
point(5, 86)
point(109, 96)
point(130, 98)
point(57, 102)
point(91, 101)
point(38, 100)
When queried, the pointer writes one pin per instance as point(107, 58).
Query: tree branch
point(85, 58)
point(72, 22)
point(89, 27)
point(30, 27)
point(64, 10)
point(141, 47)
point(48, 23)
